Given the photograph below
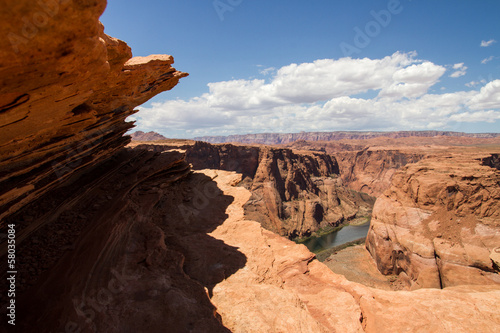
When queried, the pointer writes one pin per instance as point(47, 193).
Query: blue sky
point(320, 65)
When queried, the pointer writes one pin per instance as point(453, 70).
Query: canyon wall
point(438, 223)
point(293, 193)
point(170, 250)
point(65, 91)
point(370, 170)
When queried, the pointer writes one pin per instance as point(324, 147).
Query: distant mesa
point(286, 138)
point(149, 136)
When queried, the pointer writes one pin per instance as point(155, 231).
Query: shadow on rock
point(144, 261)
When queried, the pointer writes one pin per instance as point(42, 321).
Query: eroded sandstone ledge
point(65, 91)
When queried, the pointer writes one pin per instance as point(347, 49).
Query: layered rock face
point(439, 222)
point(283, 289)
point(370, 170)
point(65, 91)
point(293, 193)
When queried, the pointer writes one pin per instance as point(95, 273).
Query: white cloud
point(460, 70)
point(399, 75)
point(489, 116)
point(487, 60)
point(267, 71)
point(327, 95)
point(475, 83)
point(487, 43)
point(487, 98)
point(413, 81)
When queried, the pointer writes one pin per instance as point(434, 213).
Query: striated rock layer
point(283, 289)
point(172, 251)
point(439, 222)
point(65, 91)
point(370, 170)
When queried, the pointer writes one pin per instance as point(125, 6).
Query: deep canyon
point(190, 236)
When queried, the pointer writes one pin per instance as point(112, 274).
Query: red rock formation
point(296, 194)
point(368, 165)
point(181, 254)
point(438, 223)
point(370, 170)
point(65, 91)
point(283, 289)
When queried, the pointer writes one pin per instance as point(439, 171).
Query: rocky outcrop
point(287, 138)
point(439, 222)
point(89, 252)
point(293, 193)
point(65, 91)
point(370, 170)
point(492, 161)
point(149, 136)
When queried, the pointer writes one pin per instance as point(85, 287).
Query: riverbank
point(355, 263)
point(324, 255)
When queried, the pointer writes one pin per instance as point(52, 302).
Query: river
point(345, 235)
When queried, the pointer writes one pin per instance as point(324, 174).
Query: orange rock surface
point(65, 91)
point(438, 223)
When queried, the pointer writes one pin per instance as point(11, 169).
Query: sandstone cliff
point(65, 91)
point(439, 222)
point(180, 256)
point(370, 170)
point(294, 193)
